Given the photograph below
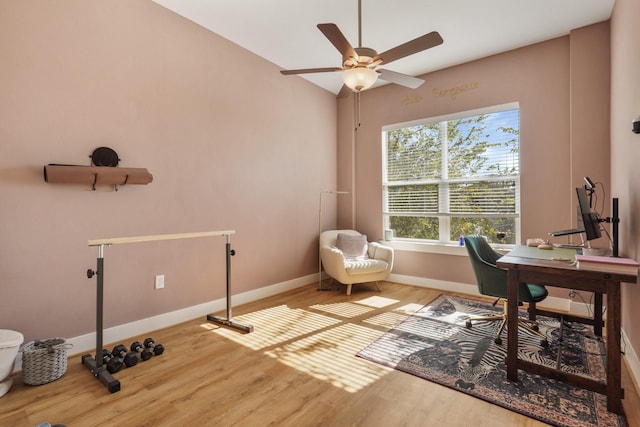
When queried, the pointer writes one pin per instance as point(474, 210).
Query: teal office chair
point(492, 281)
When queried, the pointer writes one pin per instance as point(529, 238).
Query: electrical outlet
point(159, 281)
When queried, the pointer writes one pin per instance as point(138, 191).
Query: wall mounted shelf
point(96, 175)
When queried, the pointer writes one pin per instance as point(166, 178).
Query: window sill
point(436, 248)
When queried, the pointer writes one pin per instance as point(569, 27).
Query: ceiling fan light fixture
point(359, 78)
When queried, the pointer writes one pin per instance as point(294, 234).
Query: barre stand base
point(228, 321)
point(95, 365)
point(112, 384)
point(245, 327)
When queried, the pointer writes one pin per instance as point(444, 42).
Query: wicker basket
point(44, 361)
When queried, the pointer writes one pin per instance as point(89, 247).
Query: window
point(450, 176)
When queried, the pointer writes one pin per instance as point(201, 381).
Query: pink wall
point(230, 142)
point(547, 79)
point(229, 151)
point(625, 148)
point(589, 56)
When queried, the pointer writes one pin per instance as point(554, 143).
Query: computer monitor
point(590, 219)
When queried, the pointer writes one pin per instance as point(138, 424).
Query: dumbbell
point(129, 359)
point(157, 349)
point(145, 353)
point(106, 356)
point(114, 364)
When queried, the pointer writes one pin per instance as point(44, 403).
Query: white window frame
point(443, 246)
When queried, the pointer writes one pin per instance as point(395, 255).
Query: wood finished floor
point(296, 369)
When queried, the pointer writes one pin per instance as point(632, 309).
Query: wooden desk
point(565, 275)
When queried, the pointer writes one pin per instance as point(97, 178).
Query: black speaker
point(636, 125)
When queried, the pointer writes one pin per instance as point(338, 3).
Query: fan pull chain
point(356, 110)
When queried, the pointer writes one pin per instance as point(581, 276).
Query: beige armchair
point(348, 258)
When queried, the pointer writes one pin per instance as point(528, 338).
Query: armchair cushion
point(352, 246)
point(365, 266)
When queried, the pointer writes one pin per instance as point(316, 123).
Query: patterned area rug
point(434, 344)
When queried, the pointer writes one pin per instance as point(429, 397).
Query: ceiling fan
point(360, 65)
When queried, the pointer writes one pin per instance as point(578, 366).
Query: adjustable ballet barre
point(95, 365)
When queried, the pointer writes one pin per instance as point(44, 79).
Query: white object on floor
point(9, 344)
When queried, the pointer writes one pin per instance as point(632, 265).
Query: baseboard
point(442, 285)
point(87, 343)
point(632, 360)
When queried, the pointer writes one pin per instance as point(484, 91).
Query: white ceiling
point(284, 31)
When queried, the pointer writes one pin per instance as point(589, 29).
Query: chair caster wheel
point(468, 324)
point(544, 343)
point(498, 341)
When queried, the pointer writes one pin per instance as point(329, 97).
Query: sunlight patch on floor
point(434, 331)
point(409, 308)
point(343, 309)
point(403, 347)
point(387, 320)
point(455, 318)
point(276, 325)
point(377, 301)
point(392, 318)
point(330, 356)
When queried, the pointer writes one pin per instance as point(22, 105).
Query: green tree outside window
point(454, 177)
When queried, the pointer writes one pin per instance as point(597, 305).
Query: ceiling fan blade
point(310, 70)
point(335, 36)
point(409, 48)
point(400, 79)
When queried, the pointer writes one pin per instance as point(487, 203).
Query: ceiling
point(284, 32)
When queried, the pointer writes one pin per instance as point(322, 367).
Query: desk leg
point(512, 324)
point(597, 314)
point(614, 375)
